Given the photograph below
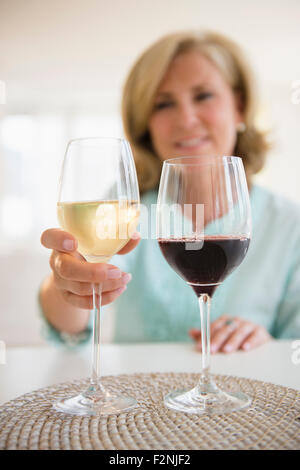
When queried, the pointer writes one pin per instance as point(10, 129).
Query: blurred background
point(62, 66)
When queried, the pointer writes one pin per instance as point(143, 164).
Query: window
point(31, 150)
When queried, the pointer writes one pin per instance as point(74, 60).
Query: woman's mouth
point(194, 143)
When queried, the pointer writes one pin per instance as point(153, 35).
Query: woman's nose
point(187, 116)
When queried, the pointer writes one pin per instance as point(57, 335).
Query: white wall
point(71, 56)
point(64, 61)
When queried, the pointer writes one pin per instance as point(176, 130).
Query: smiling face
point(195, 110)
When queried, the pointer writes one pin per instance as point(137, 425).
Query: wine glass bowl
point(204, 230)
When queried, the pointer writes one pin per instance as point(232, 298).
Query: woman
point(188, 94)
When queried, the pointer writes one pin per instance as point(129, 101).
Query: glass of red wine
point(203, 230)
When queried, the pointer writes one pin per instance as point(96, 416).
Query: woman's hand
point(229, 334)
point(74, 277)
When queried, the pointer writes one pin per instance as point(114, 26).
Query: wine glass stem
point(204, 305)
point(95, 382)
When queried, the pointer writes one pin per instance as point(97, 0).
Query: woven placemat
point(272, 421)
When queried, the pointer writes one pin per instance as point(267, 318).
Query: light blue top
point(265, 289)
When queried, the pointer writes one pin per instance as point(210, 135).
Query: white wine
point(101, 228)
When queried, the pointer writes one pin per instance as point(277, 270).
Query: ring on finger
point(230, 322)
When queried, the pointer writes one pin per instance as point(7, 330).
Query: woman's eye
point(162, 105)
point(203, 96)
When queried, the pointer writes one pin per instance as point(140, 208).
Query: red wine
point(204, 263)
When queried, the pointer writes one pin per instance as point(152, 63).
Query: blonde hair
point(144, 79)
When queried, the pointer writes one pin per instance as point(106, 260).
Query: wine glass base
point(85, 406)
point(216, 402)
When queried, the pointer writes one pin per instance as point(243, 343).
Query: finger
point(86, 302)
point(73, 269)
point(57, 239)
point(221, 335)
point(256, 338)
point(194, 333)
point(86, 288)
point(109, 286)
point(220, 322)
point(80, 301)
point(111, 296)
point(237, 337)
point(75, 287)
point(131, 244)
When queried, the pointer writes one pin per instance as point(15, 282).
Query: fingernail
point(135, 236)
point(246, 346)
point(68, 245)
point(121, 290)
point(213, 348)
point(227, 348)
point(114, 274)
point(126, 277)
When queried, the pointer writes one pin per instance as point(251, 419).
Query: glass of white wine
point(99, 205)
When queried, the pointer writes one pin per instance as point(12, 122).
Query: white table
point(28, 369)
